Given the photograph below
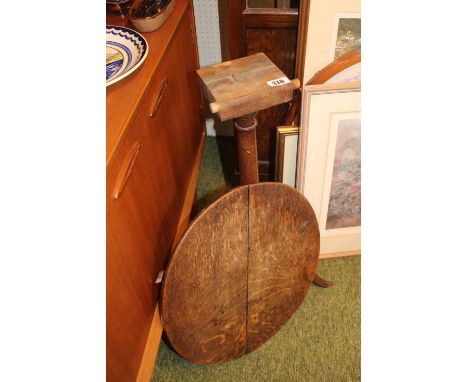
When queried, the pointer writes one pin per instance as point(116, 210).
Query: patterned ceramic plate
point(126, 50)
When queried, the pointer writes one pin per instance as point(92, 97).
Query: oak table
point(245, 264)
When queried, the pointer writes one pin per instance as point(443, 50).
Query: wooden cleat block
point(245, 85)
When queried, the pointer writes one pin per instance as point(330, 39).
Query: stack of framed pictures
point(328, 166)
point(345, 69)
point(329, 163)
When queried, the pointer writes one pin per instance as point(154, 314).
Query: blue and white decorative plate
point(126, 50)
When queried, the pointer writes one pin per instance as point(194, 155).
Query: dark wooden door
point(268, 26)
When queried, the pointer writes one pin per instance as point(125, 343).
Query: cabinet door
point(174, 109)
point(132, 225)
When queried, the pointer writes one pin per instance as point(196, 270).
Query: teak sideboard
point(155, 135)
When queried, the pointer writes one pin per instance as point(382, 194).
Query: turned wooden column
point(247, 148)
point(237, 90)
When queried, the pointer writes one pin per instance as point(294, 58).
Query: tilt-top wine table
point(246, 262)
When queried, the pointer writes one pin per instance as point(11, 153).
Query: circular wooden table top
point(239, 273)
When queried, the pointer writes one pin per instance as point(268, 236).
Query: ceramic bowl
point(153, 22)
point(119, 7)
point(126, 50)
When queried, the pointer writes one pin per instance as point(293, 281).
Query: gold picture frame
point(286, 154)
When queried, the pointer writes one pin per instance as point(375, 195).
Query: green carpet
point(217, 170)
point(321, 342)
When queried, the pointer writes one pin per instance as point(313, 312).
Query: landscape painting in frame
point(348, 35)
point(344, 206)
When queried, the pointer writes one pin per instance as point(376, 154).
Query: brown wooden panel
point(272, 31)
point(239, 272)
point(280, 46)
point(303, 24)
point(235, 28)
point(240, 87)
point(204, 296)
point(270, 20)
point(131, 227)
point(157, 178)
point(284, 244)
point(175, 131)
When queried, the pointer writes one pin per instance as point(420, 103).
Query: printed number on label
point(279, 81)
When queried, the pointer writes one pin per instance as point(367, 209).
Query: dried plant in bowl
point(149, 15)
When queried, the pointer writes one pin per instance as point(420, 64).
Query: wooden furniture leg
point(321, 282)
point(247, 148)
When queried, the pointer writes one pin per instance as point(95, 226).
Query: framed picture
point(346, 35)
point(346, 68)
point(286, 154)
point(334, 28)
point(329, 164)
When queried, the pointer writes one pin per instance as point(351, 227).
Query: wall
point(209, 47)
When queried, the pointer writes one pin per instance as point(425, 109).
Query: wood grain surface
point(205, 284)
point(273, 32)
point(247, 148)
point(279, 45)
point(284, 242)
point(239, 87)
point(239, 272)
point(154, 144)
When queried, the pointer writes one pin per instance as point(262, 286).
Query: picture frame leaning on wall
point(286, 154)
point(329, 164)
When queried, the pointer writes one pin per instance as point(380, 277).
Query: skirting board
point(216, 128)
point(339, 254)
point(151, 349)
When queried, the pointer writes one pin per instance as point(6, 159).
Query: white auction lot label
point(279, 81)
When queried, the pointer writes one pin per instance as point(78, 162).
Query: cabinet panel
point(177, 120)
point(147, 185)
point(131, 226)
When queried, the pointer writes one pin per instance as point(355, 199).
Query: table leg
point(247, 148)
point(321, 282)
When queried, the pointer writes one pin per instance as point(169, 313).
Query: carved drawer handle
point(126, 170)
point(157, 103)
